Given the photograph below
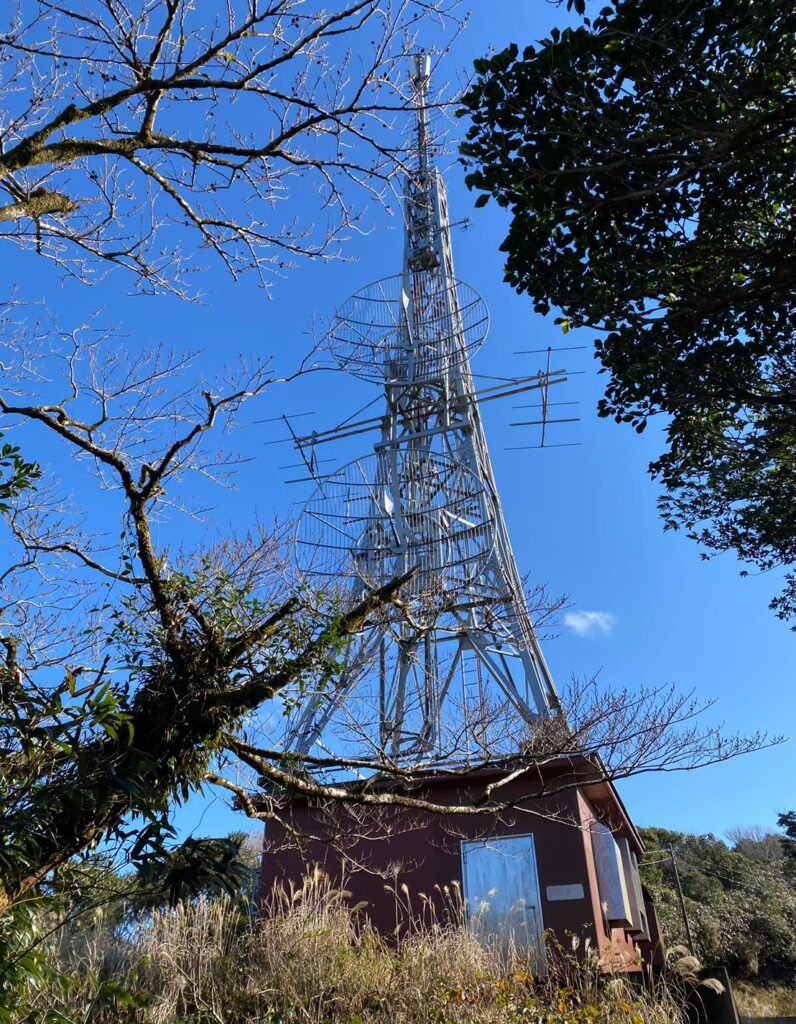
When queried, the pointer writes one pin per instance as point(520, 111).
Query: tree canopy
point(646, 158)
point(740, 899)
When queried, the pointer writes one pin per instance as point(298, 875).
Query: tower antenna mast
point(424, 499)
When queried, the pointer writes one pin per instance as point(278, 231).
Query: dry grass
point(313, 960)
point(764, 1000)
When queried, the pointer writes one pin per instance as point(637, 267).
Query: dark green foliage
point(787, 822)
point(159, 879)
point(647, 160)
point(197, 867)
point(16, 475)
point(742, 905)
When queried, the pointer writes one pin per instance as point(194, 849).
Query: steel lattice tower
point(425, 499)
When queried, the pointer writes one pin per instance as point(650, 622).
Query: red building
point(561, 856)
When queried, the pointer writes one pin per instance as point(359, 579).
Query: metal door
point(501, 892)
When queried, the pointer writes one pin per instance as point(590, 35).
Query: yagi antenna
point(311, 462)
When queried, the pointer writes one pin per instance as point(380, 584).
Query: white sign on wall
point(565, 892)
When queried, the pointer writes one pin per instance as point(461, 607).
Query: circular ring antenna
point(412, 327)
point(396, 510)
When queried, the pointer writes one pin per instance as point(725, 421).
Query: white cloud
point(590, 623)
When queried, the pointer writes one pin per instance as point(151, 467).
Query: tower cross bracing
point(425, 500)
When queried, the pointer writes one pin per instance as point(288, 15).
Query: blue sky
point(582, 518)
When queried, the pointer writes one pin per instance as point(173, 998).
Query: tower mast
point(426, 499)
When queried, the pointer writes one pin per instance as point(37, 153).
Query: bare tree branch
point(216, 112)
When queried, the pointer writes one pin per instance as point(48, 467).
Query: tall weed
point(313, 959)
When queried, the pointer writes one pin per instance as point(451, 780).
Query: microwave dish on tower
point(425, 499)
point(388, 333)
point(398, 511)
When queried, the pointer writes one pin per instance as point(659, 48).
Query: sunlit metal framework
point(425, 499)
